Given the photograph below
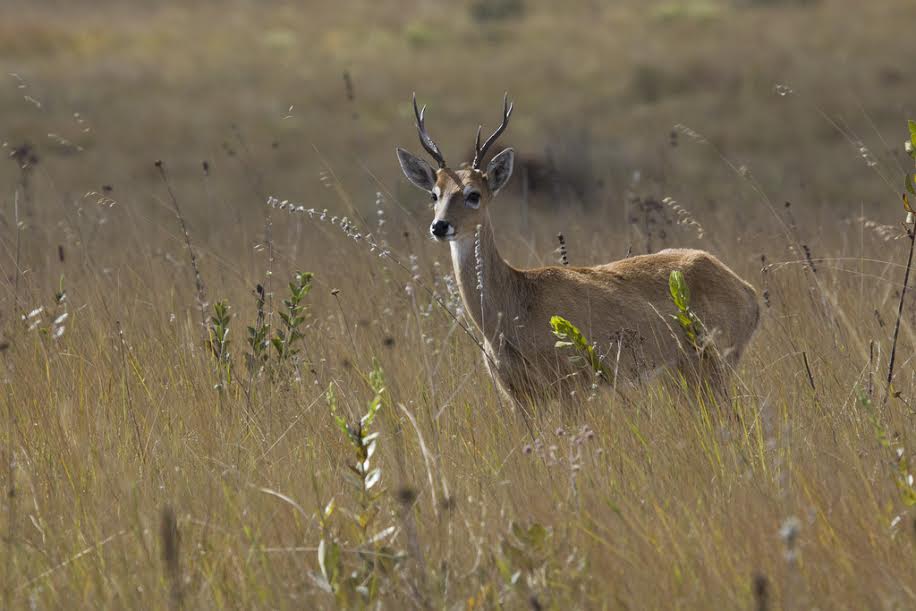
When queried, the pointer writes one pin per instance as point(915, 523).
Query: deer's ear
point(416, 170)
point(500, 169)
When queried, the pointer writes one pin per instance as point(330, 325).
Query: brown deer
point(624, 307)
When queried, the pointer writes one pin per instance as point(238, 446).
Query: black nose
point(439, 228)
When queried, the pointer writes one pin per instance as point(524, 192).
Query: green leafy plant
point(904, 478)
point(903, 471)
point(686, 318)
point(219, 343)
point(287, 340)
point(50, 322)
point(528, 562)
point(359, 584)
point(909, 226)
point(258, 337)
point(584, 353)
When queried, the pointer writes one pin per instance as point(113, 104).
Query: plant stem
point(11, 493)
point(198, 281)
point(18, 251)
point(911, 234)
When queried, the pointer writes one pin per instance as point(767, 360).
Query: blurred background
point(618, 105)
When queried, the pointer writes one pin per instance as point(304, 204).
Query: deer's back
point(630, 297)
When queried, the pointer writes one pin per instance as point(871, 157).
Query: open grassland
point(149, 467)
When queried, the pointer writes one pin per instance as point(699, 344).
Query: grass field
point(149, 466)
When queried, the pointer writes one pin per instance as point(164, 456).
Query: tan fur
point(624, 306)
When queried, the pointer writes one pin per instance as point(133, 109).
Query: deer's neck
point(490, 287)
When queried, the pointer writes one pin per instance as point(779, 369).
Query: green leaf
point(677, 286)
point(377, 377)
point(329, 561)
point(383, 534)
point(912, 125)
point(374, 406)
point(504, 569)
point(910, 178)
point(570, 337)
point(537, 536)
point(373, 478)
point(353, 480)
point(614, 507)
point(680, 295)
point(322, 554)
point(342, 425)
point(519, 532)
point(532, 538)
point(516, 557)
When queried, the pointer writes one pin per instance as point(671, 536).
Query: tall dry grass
point(151, 464)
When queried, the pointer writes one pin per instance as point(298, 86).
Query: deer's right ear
point(416, 170)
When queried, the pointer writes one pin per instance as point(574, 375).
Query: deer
point(623, 306)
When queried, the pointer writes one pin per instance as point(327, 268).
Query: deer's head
point(460, 197)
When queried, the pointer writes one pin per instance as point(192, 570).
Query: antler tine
point(425, 140)
point(480, 152)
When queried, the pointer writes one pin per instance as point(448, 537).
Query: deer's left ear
point(500, 169)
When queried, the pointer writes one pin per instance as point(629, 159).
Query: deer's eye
point(433, 196)
point(472, 199)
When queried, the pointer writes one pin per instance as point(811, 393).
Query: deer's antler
point(481, 151)
point(425, 140)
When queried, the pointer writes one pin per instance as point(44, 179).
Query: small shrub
point(530, 563)
point(357, 579)
point(219, 343)
point(258, 338)
point(287, 340)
